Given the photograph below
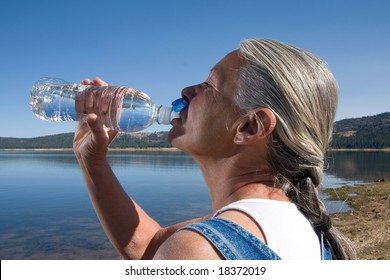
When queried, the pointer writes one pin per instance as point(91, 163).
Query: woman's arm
point(134, 234)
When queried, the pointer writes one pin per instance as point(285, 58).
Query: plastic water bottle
point(120, 108)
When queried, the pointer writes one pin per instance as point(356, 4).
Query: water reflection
point(45, 212)
point(152, 159)
point(366, 166)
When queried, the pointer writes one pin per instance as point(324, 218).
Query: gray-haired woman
point(258, 127)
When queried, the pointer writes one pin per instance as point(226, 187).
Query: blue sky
point(162, 46)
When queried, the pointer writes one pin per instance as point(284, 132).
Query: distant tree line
point(361, 141)
point(65, 140)
point(359, 133)
point(142, 140)
point(58, 141)
point(362, 133)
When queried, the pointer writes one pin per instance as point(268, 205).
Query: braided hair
point(302, 93)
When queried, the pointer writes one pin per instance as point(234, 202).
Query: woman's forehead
point(226, 69)
point(231, 61)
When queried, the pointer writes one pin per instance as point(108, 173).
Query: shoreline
point(367, 224)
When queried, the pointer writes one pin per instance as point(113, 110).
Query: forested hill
point(366, 132)
point(65, 140)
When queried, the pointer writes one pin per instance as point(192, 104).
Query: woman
point(258, 128)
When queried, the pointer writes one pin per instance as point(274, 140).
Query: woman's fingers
point(97, 99)
point(99, 82)
point(86, 82)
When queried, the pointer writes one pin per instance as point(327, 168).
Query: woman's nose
point(190, 92)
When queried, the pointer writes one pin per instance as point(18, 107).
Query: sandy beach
point(368, 223)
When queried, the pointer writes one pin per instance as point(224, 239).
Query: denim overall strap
point(233, 241)
point(320, 229)
point(327, 253)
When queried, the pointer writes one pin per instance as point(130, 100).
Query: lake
point(45, 212)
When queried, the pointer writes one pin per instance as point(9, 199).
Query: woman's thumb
point(92, 121)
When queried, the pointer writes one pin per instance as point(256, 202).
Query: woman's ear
point(257, 125)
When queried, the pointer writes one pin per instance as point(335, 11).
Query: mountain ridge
point(369, 132)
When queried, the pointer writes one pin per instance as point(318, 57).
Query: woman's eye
point(207, 85)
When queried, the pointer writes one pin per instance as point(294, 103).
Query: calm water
point(45, 212)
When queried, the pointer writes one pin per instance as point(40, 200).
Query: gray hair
point(302, 93)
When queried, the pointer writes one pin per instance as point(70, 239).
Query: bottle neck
point(164, 115)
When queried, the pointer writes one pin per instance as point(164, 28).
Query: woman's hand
point(92, 137)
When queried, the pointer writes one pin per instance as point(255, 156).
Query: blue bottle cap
point(179, 105)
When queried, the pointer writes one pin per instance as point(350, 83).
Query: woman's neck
point(232, 179)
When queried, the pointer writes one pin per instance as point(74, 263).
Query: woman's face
point(208, 125)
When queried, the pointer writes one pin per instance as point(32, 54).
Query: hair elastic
point(323, 226)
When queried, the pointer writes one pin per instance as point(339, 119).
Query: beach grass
point(367, 224)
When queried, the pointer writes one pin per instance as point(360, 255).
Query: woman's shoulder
point(187, 244)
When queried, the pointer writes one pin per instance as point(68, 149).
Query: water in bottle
point(120, 108)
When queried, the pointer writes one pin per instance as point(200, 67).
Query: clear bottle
point(120, 108)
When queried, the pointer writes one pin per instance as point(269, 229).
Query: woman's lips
point(181, 118)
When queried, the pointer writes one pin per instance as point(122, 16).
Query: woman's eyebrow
point(211, 83)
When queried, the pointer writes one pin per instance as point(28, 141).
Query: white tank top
point(286, 229)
